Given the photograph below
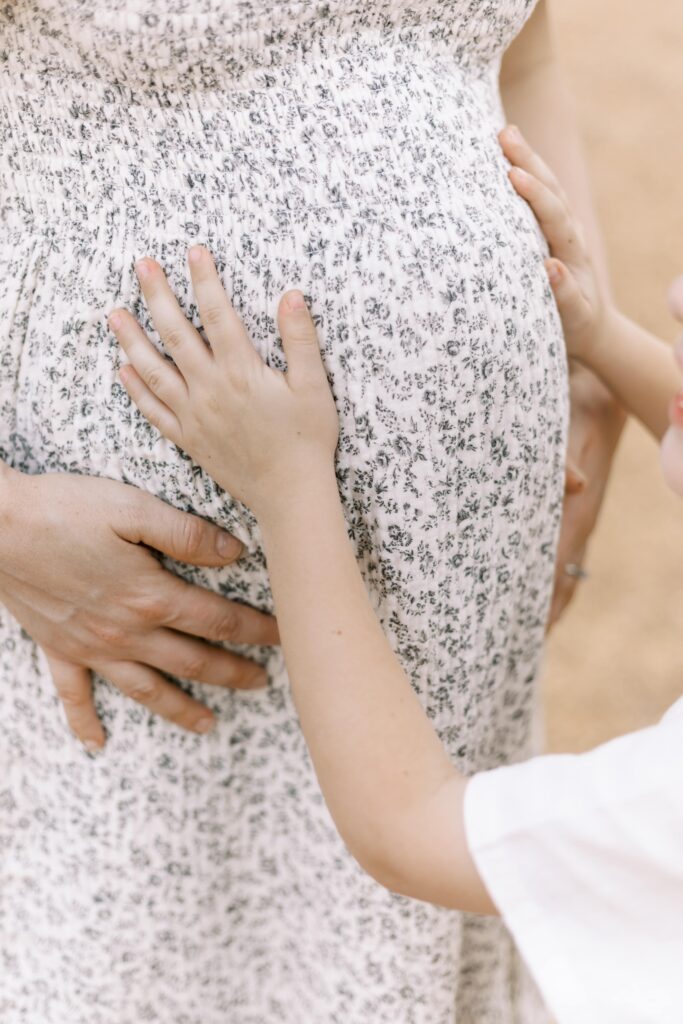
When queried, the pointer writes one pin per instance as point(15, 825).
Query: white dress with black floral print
point(347, 147)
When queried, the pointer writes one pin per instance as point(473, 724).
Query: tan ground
point(616, 660)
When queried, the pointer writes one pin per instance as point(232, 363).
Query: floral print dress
point(348, 148)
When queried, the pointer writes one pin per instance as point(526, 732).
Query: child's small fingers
point(300, 341)
point(159, 375)
point(182, 341)
point(154, 410)
point(223, 327)
point(560, 231)
point(570, 300)
point(520, 154)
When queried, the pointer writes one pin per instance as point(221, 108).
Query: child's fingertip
point(512, 134)
point(519, 178)
point(127, 375)
point(295, 301)
point(144, 268)
point(195, 254)
point(554, 271)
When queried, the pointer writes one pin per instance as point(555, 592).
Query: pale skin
point(395, 796)
point(108, 606)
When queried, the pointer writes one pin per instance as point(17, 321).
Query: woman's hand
point(255, 430)
point(594, 431)
point(77, 573)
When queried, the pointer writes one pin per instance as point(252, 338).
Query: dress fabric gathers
point(349, 149)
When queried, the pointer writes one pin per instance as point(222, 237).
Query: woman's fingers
point(300, 341)
point(551, 213)
point(200, 612)
point(73, 684)
point(575, 480)
point(520, 154)
point(565, 589)
point(160, 376)
point(224, 329)
point(182, 341)
point(149, 688)
point(152, 408)
point(193, 659)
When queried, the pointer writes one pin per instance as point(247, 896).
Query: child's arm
point(270, 439)
point(635, 365)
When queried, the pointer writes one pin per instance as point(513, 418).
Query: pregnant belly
point(423, 269)
point(434, 318)
point(440, 335)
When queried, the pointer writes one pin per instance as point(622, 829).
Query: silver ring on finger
point(577, 572)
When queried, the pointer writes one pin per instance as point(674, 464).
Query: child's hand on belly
point(255, 430)
point(571, 274)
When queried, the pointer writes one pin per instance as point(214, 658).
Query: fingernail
point(521, 176)
point(229, 547)
point(115, 321)
point(194, 254)
point(92, 746)
point(205, 725)
point(142, 268)
point(296, 301)
point(554, 273)
point(514, 133)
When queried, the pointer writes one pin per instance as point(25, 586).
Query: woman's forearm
point(395, 796)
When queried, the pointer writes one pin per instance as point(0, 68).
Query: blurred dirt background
point(615, 662)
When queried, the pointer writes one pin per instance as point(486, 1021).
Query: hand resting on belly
point(77, 572)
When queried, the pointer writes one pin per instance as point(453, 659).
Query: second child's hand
point(595, 428)
point(269, 439)
point(599, 341)
point(633, 364)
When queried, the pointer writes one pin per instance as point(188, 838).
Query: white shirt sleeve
point(583, 856)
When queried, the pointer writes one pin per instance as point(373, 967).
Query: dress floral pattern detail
point(350, 149)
